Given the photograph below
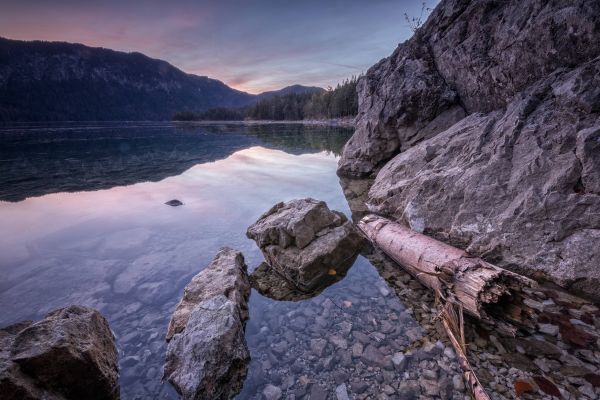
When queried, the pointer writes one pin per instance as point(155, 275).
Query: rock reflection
point(351, 338)
point(266, 281)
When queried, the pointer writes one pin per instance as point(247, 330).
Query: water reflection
point(126, 253)
point(269, 283)
point(37, 160)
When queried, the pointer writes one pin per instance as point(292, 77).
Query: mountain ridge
point(41, 80)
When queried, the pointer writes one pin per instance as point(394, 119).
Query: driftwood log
point(479, 288)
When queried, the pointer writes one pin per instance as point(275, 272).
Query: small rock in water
point(174, 203)
point(272, 392)
point(207, 354)
point(303, 240)
point(341, 393)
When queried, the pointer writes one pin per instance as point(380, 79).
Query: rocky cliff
point(483, 130)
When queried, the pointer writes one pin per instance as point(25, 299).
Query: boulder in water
point(305, 241)
point(207, 354)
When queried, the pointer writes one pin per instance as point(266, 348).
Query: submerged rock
point(305, 241)
point(70, 354)
point(273, 285)
point(174, 203)
point(207, 354)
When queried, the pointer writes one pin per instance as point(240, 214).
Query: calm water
point(83, 221)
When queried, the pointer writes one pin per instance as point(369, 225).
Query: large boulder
point(482, 130)
point(519, 187)
point(305, 241)
point(207, 354)
point(470, 56)
point(70, 354)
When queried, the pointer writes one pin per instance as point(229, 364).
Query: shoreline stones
point(207, 354)
point(306, 242)
point(70, 354)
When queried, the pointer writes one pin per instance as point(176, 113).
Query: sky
point(250, 45)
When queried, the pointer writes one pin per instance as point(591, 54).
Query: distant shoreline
point(341, 122)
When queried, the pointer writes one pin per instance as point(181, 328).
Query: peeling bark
point(480, 288)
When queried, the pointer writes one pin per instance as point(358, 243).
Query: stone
point(174, 203)
point(207, 355)
point(490, 146)
point(318, 392)
point(357, 349)
point(373, 356)
point(458, 383)
point(399, 360)
point(306, 242)
point(318, 346)
point(548, 329)
point(272, 392)
point(70, 354)
point(341, 393)
point(359, 386)
point(339, 342)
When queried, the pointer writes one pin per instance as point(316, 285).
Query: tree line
point(341, 101)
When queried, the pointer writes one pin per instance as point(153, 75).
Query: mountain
point(64, 81)
point(293, 89)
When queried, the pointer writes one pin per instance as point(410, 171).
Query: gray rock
point(452, 67)
point(174, 203)
point(373, 356)
point(399, 360)
point(70, 354)
point(341, 393)
point(318, 346)
point(272, 392)
point(486, 135)
point(359, 386)
point(318, 392)
point(306, 242)
point(548, 329)
point(458, 383)
point(207, 354)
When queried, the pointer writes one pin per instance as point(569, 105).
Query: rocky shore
point(482, 130)
point(70, 354)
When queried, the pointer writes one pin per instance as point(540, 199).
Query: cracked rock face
point(518, 187)
point(470, 56)
point(207, 354)
point(304, 241)
point(482, 130)
point(70, 354)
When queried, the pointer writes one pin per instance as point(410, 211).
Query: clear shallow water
point(83, 220)
point(98, 233)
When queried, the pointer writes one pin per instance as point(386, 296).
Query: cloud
point(250, 45)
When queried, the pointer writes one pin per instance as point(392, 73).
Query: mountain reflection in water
point(40, 159)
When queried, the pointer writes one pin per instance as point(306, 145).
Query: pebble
point(458, 383)
point(359, 386)
point(548, 329)
point(341, 393)
point(272, 392)
point(317, 392)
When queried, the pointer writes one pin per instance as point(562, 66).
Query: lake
point(83, 221)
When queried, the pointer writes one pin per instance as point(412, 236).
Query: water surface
point(84, 222)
